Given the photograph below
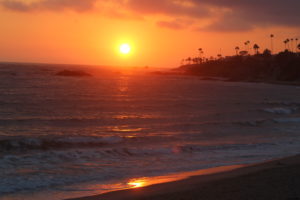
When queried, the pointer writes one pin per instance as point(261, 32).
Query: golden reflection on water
point(123, 84)
point(133, 116)
point(125, 129)
point(131, 136)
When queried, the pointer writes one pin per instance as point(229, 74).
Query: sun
point(125, 48)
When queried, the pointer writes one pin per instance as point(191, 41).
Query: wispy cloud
point(175, 24)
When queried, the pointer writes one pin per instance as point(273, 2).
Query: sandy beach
point(276, 179)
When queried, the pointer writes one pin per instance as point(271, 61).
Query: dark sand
point(277, 179)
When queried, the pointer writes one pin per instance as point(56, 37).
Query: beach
point(277, 179)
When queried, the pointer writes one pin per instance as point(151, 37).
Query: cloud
point(223, 15)
point(220, 15)
point(175, 24)
point(243, 15)
point(15, 5)
point(229, 22)
point(52, 5)
point(142, 7)
point(78, 5)
point(167, 7)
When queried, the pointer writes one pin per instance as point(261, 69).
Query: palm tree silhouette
point(292, 45)
point(272, 46)
point(296, 39)
point(189, 59)
point(256, 47)
point(298, 47)
point(248, 42)
point(285, 44)
point(247, 45)
point(200, 52)
point(182, 61)
point(237, 49)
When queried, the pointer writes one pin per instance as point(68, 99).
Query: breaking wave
point(25, 143)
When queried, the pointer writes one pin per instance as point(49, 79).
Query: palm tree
point(199, 60)
point(248, 42)
point(246, 45)
point(272, 46)
point(195, 60)
point(285, 42)
point(298, 47)
point(288, 43)
point(200, 52)
point(188, 60)
point(182, 62)
point(256, 47)
point(296, 39)
point(292, 45)
point(237, 49)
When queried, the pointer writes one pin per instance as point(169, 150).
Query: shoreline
point(275, 179)
point(226, 79)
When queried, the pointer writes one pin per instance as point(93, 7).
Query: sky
point(160, 32)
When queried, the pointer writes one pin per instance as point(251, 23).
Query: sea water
point(59, 132)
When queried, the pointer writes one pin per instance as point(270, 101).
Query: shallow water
point(57, 132)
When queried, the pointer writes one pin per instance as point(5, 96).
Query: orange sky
point(161, 33)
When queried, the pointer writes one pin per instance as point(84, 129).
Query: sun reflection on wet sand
point(136, 183)
point(146, 181)
point(96, 189)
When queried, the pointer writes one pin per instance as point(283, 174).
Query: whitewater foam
point(281, 110)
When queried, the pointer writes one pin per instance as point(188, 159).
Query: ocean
point(68, 136)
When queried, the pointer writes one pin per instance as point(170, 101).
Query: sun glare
point(136, 184)
point(125, 49)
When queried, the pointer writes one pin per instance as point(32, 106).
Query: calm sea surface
point(60, 132)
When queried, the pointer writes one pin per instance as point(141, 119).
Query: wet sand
point(276, 180)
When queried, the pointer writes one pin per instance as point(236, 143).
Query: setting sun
point(125, 49)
